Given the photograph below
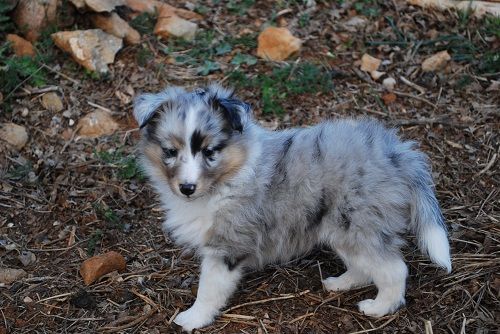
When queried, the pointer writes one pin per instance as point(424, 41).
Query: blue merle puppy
point(243, 196)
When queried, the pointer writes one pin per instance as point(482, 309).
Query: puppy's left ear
point(235, 112)
point(146, 106)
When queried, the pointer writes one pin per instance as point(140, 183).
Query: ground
point(64, 198)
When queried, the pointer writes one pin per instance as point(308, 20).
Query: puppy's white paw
point(370, 307)
point(376, 308)
point(335, 284)
point(193, 318)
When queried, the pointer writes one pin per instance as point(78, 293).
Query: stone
point(355, 23)
point(93, 49)
point(170, 24)
point(52, 102)
point(96, 124)
point(97, 266)
point(98, 5)
point(10, 275)
point(369, 63)
point(15, 135)
point(113, 24)
point(21, 46)
point(436, 62)
point(389, 83)
point(143, 6)
point(187, 14)
point(32, 16)
point(494, 86)
point(152, 6)
point(376, 75)
point(27, 258)
point(277, 44)
point(478, 8)
point(79, 4)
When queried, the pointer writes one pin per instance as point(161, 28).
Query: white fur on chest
point(189, 223)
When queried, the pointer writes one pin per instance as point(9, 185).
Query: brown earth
point(63, 199)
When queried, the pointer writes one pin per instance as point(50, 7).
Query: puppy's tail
point(427, 220)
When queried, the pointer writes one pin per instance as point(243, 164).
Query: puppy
point(243, 197)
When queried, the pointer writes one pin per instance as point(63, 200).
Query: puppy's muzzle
point(187, 188)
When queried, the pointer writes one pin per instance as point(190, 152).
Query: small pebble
point(389, 83)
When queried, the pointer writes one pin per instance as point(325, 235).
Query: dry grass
point(62, 199)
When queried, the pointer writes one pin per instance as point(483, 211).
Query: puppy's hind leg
point(389, 276)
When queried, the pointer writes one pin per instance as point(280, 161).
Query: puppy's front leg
point(217, 283)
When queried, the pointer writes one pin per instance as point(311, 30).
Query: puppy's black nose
point(187, 188)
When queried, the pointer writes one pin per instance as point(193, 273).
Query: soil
point(63, 199)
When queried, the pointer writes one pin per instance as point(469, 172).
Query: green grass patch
point(285, 82)
point(368, 8)
point(20, 172)
point(248, 41)
point(144, 56)
point(126, 166)
point(16, 71)
point(144, 23)
point(94, 239)
point(239, 7)
point(6, 23)
point(467, 48)
point(246, 59)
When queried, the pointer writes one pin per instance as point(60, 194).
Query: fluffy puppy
point(244, 197)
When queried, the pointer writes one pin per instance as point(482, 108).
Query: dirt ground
point(64, 198)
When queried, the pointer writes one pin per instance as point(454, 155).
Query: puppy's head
point(192, 141)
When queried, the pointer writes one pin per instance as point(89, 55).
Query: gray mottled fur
point(350, 184)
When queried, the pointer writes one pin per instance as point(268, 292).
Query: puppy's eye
point(208, 152)
point(170, 152)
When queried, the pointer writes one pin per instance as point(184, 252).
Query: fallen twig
point(377, 328)
point(416, 98)
point(412, 85)
point(128, 325)
point(290, 296)
point(76, 82)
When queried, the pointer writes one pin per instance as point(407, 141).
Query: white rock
point(10, 275)
point(93, 49)
point(13, 134)
point(98, 5)
point(389, 83)
point(96, 124)
point(170, 24)
point(376, 75)
point(27, 258)
point(52, 102)
point(113, 24)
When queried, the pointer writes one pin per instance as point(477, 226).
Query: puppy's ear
point(146, 106)
point(235, 112)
